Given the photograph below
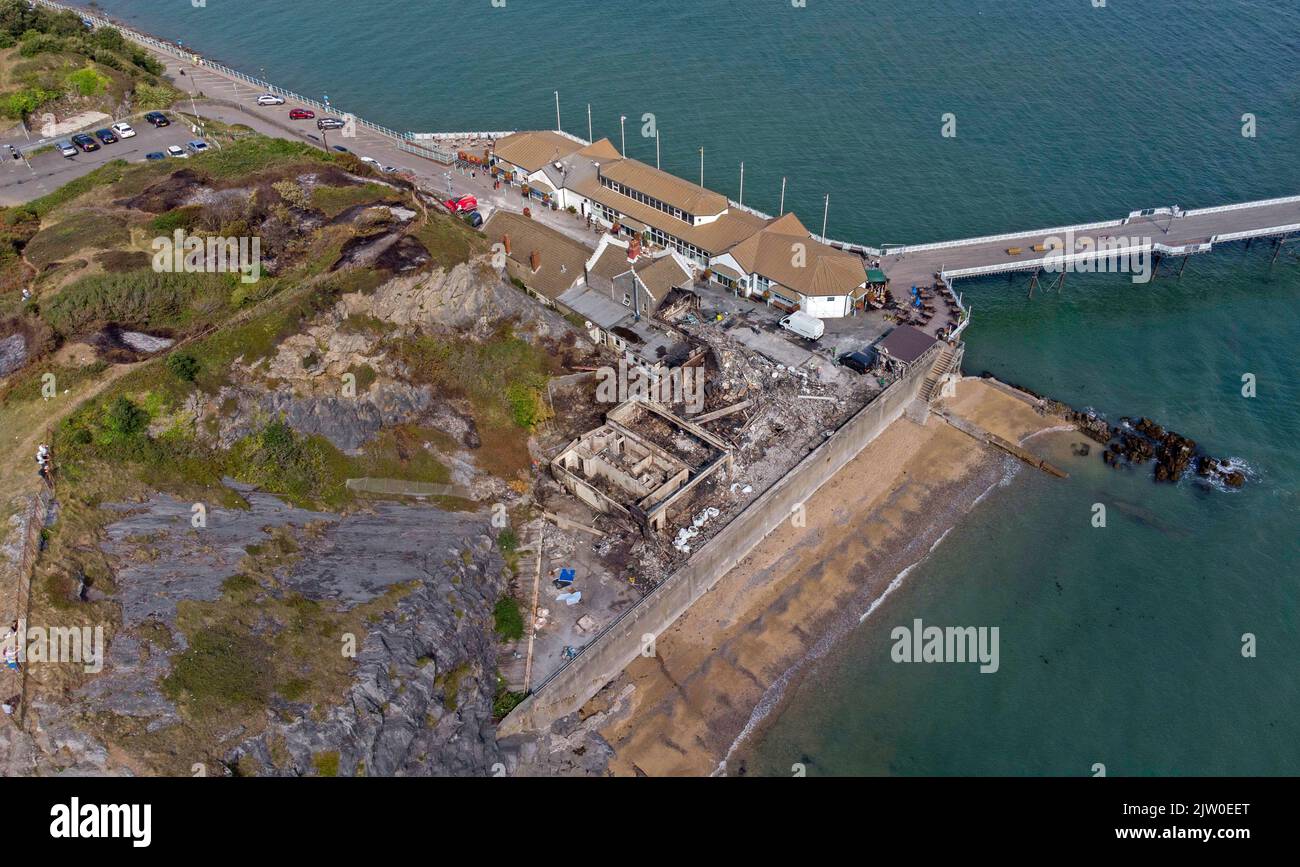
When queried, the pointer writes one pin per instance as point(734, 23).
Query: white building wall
point(826, 306)
point(729, 261)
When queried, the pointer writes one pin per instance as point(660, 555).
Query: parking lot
point(25, 179)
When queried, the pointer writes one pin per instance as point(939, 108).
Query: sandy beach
point(727, 662)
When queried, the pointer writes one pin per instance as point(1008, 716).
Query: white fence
point(1256, 233)
point(1009, 236)
point(1263, 203)
point(456, 136)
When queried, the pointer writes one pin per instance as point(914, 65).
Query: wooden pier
point(1161, 233)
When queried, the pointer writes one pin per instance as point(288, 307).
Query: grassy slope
point(103, 460)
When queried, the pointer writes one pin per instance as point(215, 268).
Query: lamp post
point(825, 215)
point(557, 111)
point(742, 182)
point(590, 137)
point(622, 133)
point(701, 166)
point(782, 211)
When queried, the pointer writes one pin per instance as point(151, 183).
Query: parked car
point(65, 147)
point(301, 114)
point(330, 123)
point(198, 146)
point(105, 135)
point(177, 151)
point(270, 99)
point(388, 170)
point(802, 324)
point(85, 142)
point(370, 161)
point(123, 130)
point(862, 361)
point(474, 218)
point(158, 119)
point(463, 205)
point(155, 155)
point(338, 148)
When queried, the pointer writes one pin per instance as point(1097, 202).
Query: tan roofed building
point(686, 200)
point(530, 151)
point(659, 215)
point(547, 262)
point(786, 267)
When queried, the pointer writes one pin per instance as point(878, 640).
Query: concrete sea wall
point(602, 660)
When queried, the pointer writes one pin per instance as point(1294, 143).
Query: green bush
point(508, 618)
point(508, 541)
point(109, 38)
point(122, 421)
point(34, 43)
point(141, 299)
point(183, 217)
point(301, 469)
point(183, 366)
point(23, 102)
point(88, 81)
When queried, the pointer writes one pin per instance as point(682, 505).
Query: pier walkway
point(1164, 232)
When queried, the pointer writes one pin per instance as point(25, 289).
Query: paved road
point(234, 101)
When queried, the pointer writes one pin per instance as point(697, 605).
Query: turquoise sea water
point(1119, 645)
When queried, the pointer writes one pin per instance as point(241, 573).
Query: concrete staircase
point(943, 365)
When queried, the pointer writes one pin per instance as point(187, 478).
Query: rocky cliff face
point(421, 701)
point(417, 696)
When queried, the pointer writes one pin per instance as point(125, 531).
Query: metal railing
point(433, 153)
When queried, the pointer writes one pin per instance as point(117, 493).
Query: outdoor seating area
point(934, 308)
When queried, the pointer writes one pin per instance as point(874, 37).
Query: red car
point(462, 206)
point(301, 114)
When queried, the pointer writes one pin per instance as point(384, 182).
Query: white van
point(804, 325)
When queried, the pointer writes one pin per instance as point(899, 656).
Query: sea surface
point(1119, 646)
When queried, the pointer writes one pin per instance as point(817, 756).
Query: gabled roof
point(813, 269)
point(663, 275)
point(612, 262)
point(601, 149)
point(562, 258)
point(667, 188)
point(533, 150)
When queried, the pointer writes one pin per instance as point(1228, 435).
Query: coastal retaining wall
point(601, 661)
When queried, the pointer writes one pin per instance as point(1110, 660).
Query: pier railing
point(1263, 203)
point(456, 136)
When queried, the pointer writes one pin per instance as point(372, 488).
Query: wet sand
point(725, 663)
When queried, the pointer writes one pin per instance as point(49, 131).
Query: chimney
point(535, 260)
point(505, 242)
point(634, 248)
